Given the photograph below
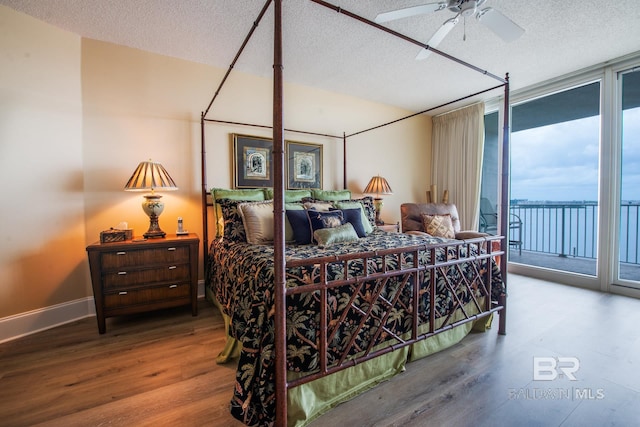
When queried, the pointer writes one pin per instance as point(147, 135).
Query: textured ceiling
point(330, 51)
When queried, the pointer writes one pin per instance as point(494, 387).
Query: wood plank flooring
point(159, 369)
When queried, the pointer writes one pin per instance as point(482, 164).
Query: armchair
point(411, 218)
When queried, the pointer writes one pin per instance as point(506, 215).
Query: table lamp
point(151, 176)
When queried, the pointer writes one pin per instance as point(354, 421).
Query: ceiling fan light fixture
point(468, 8)
point(465, 8)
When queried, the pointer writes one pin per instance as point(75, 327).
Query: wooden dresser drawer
point(135, 276)
point(146, 296)
point(127, 258)
point(132, 277)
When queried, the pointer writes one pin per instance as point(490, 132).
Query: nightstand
point(391, 228)
point(137, 276)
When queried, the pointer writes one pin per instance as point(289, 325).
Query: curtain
point(457, 147)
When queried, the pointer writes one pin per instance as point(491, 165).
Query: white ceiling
point(330, 51)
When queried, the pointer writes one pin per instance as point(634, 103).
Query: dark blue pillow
point(325, 219)
point(354, 217)
point(300, 224)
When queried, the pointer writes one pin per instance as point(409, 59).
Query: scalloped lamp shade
point(151, 176)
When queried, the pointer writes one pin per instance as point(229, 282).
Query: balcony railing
point(571, 229)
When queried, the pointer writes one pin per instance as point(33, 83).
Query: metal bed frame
point(484, 247)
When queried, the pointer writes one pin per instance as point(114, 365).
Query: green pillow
point(290, 196)
point(331, 195)
point(366, 224)
point(342, 234)
point(248, 194)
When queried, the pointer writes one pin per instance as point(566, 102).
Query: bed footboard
point(369, 304)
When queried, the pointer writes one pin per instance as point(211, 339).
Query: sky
point(560, 162)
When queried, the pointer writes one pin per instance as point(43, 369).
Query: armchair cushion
point(470, 234)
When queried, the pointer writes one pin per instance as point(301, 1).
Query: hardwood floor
point(159, 369)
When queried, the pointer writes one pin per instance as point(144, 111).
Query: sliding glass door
point(629, 250)
point(555, 145)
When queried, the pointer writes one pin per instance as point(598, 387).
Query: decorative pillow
point(233, 226)
point(257, 218)
point(341, 234)
point(300, 225)
point(331, 195)
point(354, 217)
point(318, 205)
point(247, 195)
point(369, 209)
point(325, 219)
point(288, 229)
point(366, 207)
point(438, 225)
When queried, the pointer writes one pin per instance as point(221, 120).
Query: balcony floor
point(572, 264)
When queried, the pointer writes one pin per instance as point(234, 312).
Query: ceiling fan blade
point(437, 37)
point(504, 27)
point(410, 11)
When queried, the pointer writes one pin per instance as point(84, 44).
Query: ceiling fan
point(504, 27)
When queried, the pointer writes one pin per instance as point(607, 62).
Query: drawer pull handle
point(173, 286)
point(121, 253)
point(173, 267)
point(122, 273)
point(122, 293)
point(171, 249)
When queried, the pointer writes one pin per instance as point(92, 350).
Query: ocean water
point(571, 228)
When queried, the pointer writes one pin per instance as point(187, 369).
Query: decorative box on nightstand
point(391, 228)
point(136, 276)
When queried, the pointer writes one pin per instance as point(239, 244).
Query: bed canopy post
point(278, 216)
point(344, 160)
point(504, 207)
point(203, 175)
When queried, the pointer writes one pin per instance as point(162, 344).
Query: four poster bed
point(319, 304)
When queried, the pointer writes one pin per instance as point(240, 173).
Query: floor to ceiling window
point(574, 178)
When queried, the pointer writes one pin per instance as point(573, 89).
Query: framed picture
point(252, 161)
point(304, 165)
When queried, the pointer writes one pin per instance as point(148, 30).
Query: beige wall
point(42, 258)
point(84, 143)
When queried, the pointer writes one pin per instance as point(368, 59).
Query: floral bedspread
point(242, 277)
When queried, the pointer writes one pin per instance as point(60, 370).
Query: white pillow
point(257, 218)
point(318, 206)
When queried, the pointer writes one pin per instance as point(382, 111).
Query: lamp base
point(153, 207)
point(154, 234)
point(377, 204)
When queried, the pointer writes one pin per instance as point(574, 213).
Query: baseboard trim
point(33, 321)
point(30, 322)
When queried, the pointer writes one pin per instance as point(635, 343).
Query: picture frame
point(304, 165)
point(252, 161)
